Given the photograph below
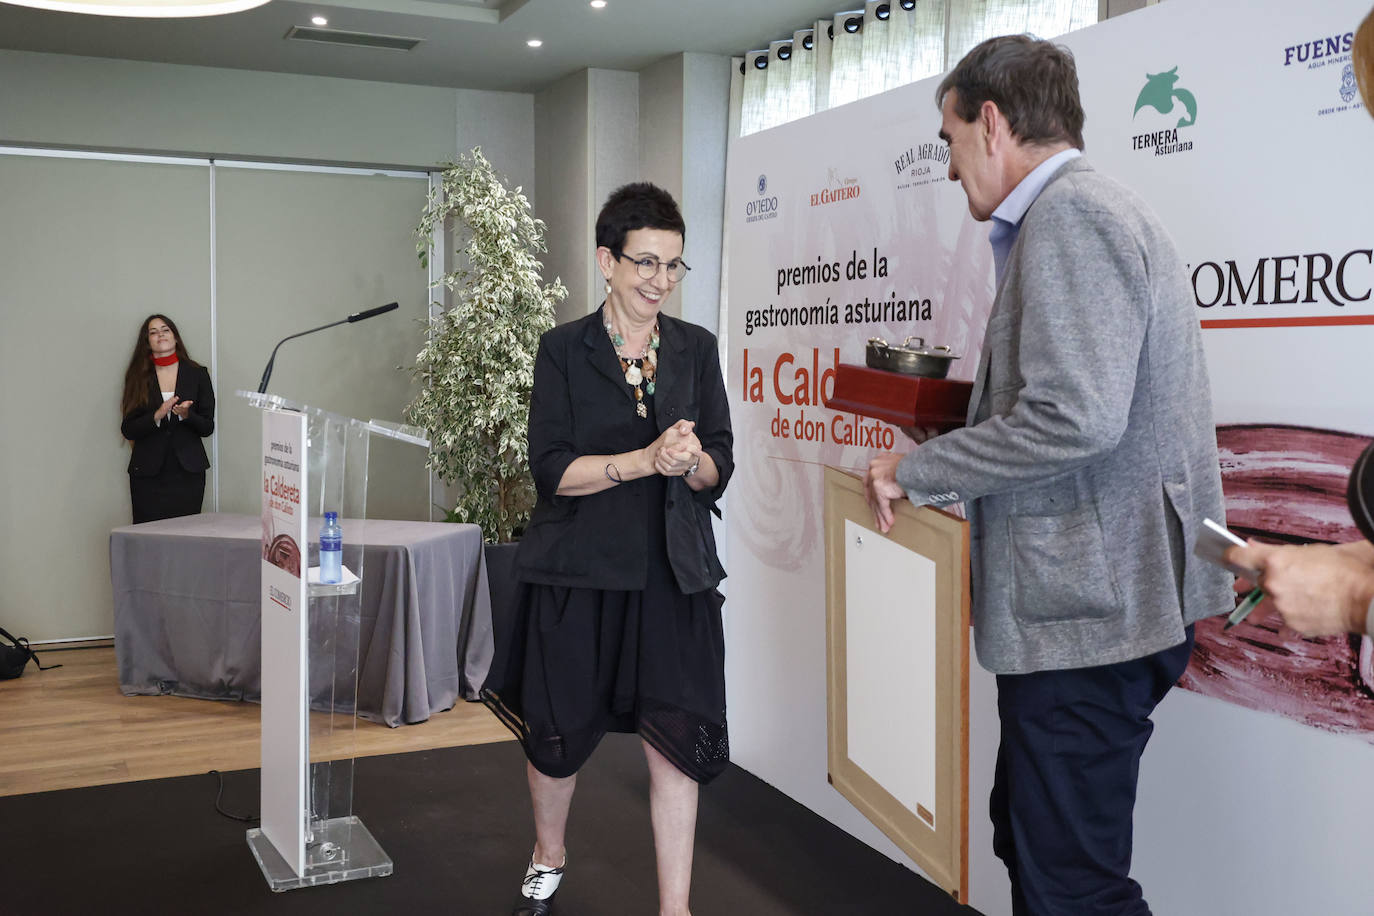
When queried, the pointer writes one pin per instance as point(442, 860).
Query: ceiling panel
point(458, 48)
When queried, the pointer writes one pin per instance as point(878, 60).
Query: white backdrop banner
point(1239, 124)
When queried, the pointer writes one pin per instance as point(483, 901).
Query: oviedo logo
point(921, 165)
point(1161, 93)
point(836, 189)
point(761, 207)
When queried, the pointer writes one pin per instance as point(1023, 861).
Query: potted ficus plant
point(477, 368)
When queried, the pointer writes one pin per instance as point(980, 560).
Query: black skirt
point(172, 493)
point(576, 663)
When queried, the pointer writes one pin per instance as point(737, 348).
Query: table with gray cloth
point(187, 613)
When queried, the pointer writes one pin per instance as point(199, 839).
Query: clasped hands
point(172, 405)
point(677, 449)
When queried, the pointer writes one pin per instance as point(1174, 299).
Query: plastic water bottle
point(331, 550)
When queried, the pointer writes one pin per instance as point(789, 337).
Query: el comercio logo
point(1162, 93)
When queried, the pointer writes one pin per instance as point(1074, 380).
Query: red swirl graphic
point(1287, 483)
point(284, 553)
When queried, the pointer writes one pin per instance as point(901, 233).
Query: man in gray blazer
point(1087, 464)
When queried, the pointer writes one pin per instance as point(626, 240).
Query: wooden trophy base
point(903, 400)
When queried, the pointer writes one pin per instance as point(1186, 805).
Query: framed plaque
point(897, 656)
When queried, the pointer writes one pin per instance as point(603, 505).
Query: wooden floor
point(71, 727)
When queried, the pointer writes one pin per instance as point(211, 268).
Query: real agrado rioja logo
point(1161, 93)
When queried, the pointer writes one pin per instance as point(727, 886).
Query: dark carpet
point(456, 823)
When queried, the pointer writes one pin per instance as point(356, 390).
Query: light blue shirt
point(1006, 219)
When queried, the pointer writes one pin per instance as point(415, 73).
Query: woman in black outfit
point(168, 407)
point(617, 620)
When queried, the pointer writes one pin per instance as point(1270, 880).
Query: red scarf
point(165, 360)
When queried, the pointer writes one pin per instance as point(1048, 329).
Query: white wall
point(613, 121)
point(65, 100)
point(705, 117)
point(661, 87)
point(562, 158)
point(599, 129)
point(684, 108)
point(87, 101)
point(588, 129)
point(502, 124)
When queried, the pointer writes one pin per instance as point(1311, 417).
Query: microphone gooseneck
point(356, 316)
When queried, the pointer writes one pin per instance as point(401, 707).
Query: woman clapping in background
point(168, 407)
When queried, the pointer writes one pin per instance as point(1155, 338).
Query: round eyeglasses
point(648, 266)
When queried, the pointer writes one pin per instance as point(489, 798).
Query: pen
point(1244, 608)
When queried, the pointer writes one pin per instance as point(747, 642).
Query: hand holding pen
point(1252, 599)
point(1317, 589)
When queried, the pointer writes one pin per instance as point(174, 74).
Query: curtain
point(848, 78)
point(801, 83)
point(861, 52)
point(972, 21)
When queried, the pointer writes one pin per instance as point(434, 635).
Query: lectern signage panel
point(285, 614)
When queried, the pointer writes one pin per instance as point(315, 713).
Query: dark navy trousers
point(1064, 793)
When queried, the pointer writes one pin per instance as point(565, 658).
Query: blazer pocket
point(1059, 568)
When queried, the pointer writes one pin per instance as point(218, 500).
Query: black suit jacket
point(581, 406)
point(154, 443)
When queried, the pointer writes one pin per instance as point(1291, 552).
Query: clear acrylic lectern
point(313, 462)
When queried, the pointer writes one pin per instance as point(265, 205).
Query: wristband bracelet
point(693, 469)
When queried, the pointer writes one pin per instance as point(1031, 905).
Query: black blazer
point(154, 443)
point(581, 406)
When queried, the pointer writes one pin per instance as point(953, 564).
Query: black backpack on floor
point(15, 655)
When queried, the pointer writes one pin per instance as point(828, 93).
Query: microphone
point(372, 313)
point(356, 316)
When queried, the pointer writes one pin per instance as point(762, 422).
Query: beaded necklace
point(639, 370)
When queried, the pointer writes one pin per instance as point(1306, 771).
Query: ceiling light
point(598, 4)
point(319, 20)
point(534, 42)
point(160, 9)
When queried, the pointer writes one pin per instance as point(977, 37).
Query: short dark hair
point(1034, 84)
point(639, 205)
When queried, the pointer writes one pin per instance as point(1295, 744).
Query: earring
point(608, 286)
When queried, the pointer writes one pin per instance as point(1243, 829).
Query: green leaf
point(477, 366)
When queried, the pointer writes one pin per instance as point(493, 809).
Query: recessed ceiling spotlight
point(598, 4)
point(319, 20)
point(534, 42)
